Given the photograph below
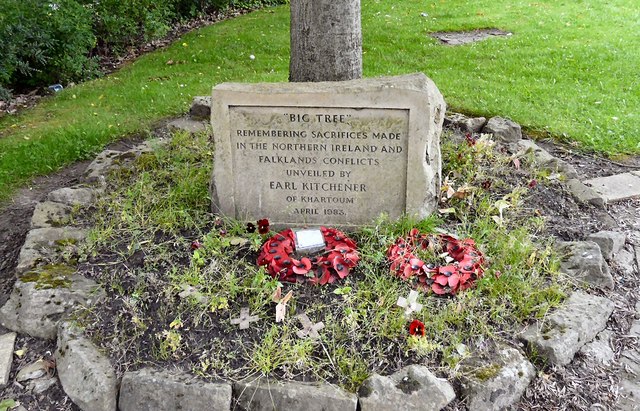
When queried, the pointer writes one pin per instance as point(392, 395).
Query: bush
point(118, 24)
point(50, 41)
point(43, 43)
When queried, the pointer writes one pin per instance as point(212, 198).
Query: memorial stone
point(328, 153)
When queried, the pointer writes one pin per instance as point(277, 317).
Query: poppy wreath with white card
point(337, 260)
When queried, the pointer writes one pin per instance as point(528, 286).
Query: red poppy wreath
point(339, 257)
point(462, 261)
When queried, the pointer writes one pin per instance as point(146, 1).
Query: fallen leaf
point(463, 191)
point(450, 192)
point(34, 370)
point(281, 308)
point(238, 241)
point(7, 404)
point(277, 295)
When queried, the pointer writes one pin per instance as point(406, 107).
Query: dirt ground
point(578, 386)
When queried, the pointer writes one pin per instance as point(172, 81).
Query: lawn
point(568, 71)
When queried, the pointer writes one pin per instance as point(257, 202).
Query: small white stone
point(7, 342)
point(252, 57)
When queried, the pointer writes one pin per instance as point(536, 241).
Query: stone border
point(494, 383)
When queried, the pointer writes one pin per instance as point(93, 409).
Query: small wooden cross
point(410, 304)
point(308, 328)
point(244, 318)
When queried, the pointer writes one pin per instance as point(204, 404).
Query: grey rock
point(7, 342)
point(201, 108)
point(41, 298)
point(85, 373)
point(50, 214)
point(72, 196)
point(464, 123)
point(504, 130)
point(610, 242)
point(583, 261)
point(546, 160)
point(559, 336)
point(617, 187)
point(263, 395)
point(629, 396)
point(109, 160)
point(630, 360)
point(541, 156)
point(41, 385)
point(188, 125)
point(498, 383)
point(43, 243)
point(412, 388)
point(634, 331)
point(584, 194)
point(153, 390)
point(625, 260)
point(600, 348)
point(104, 162)
point(567, 169)
point(606, 221)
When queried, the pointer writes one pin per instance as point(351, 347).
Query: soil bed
point(580, 384)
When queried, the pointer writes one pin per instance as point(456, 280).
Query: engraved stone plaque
point(337, 153)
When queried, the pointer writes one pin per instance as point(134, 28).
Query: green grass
point(569, 70)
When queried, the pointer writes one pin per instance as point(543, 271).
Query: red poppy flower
point(438, 289)
point(195, 245)
point(533, 183)
point(341, 267)
point(441, 279)
point(454, 280)
point(351, 258)
point(302, 267)
point(324, 275)
point(251, 228)
point(469, 139)
point(263, 226)
point(416, 328)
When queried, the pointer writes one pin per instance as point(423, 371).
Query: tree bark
point(326, 40)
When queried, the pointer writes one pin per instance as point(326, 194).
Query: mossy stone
point(487, 372)
point(50, 276)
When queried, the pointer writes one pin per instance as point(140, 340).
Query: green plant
point(44, 42)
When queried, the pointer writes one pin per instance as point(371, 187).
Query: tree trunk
point(326, 40)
